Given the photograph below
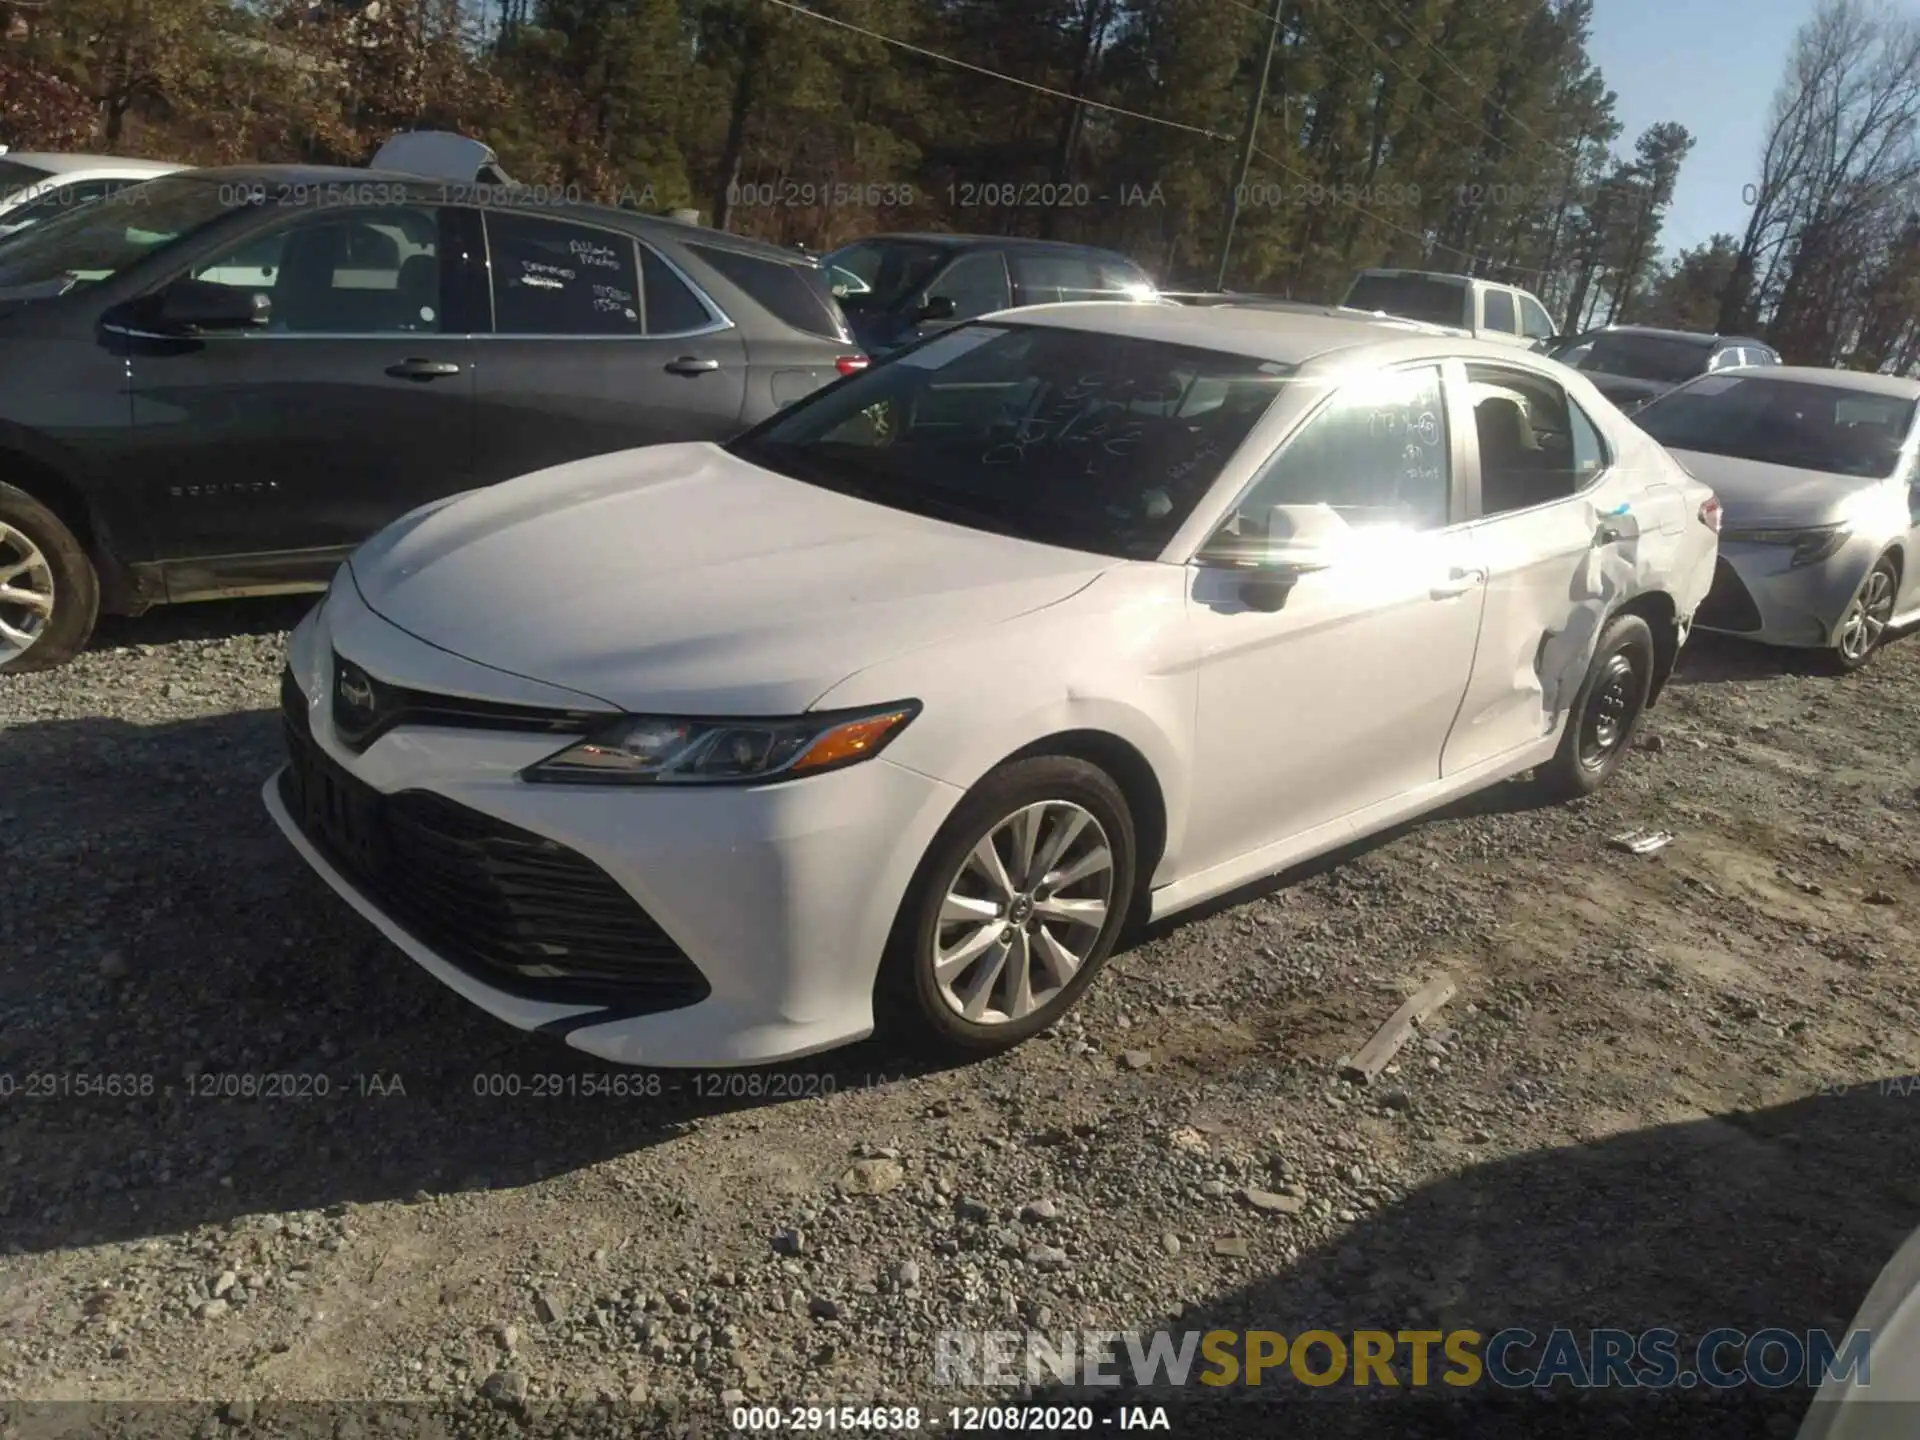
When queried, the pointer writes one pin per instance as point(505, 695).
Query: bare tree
point(1841, 149)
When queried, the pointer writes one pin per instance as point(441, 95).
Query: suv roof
point(433, 191)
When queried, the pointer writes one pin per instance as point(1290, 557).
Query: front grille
point(366, 707)
point(1729, 604)
point(515, 909)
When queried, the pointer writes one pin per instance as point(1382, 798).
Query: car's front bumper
point(1759, 595)
point(780, 897)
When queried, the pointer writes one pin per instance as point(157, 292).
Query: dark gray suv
point(219, 382)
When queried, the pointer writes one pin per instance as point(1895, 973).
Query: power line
point(1447, 61)
point(995, 74)
point(799, 9)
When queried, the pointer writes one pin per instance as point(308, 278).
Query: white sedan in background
point(898, 706)
point(1818, 472)
point(38, 185)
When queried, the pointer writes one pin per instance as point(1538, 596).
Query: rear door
point(352, 406)
point(599, 343)
point(1557, 524)
point(795, 332)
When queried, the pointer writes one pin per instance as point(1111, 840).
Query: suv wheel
point(49, 594)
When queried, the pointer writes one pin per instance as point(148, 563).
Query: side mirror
point(937, 307)
point(1300, 540)
point(203, 305)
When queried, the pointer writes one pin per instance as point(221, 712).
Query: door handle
point(1460, 579)
point(423, 369)
point(1606, 535)
point(692, 365)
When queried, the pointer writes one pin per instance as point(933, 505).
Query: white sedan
point(37, 185)
point(895, 709)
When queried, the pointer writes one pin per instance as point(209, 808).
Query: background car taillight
point(1710, 513)
point(851, 364)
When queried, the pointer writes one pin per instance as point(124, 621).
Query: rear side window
point(1045, 279)
point(1500, 312)
point(794, 294)
point(672, 307)
point(555, 278)
point(1535, 323)
point(1411, 297)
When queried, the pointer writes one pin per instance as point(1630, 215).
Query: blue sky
point(1712, 65)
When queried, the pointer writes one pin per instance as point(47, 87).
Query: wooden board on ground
point(1375, 1055)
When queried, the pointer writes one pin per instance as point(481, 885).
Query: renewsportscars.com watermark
point(1513, 1359)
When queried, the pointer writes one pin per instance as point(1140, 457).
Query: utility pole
point(1246, 144)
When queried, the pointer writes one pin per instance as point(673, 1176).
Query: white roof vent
point(440, 155)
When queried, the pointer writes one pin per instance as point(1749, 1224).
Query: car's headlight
point(1810, 544)
point(672, 750)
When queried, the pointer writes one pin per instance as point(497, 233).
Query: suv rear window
point(795, 294)
point(1411, 297)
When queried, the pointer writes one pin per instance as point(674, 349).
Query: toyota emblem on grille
point(353, 699)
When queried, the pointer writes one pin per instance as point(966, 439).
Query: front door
point(351, 406)
point(1343, 697)
point(1559, 526)
point(598, 345)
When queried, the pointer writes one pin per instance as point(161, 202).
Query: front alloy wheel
point(1023, 912)
point(26, 593)
point(1014, 908)
point(1865, 624)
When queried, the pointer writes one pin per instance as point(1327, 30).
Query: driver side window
point(1377, 452)
point(356, 272)
point(976, 283)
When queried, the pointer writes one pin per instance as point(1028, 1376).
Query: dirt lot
point(1659, 1098)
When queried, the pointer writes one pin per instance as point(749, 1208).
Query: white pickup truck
point(1490, 310)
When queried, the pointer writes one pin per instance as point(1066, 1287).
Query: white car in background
point(1818, 472)
point(37, 185)
point(903, 702)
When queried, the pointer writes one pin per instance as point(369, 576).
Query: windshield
point(96, 241)
point(1784, 422)
point(1411, 297)
point(1647, 357)
point(878, 275)
point(1090, 441)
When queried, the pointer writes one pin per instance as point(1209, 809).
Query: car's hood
point(1755, 495)
point(679, 579)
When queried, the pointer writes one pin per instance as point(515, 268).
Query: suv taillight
point(851, 364)
point(1710, 513)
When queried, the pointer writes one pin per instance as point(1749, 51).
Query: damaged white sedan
point(897, 708)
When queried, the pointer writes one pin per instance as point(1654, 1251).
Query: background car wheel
point(1864, 625)
point(1606, 713)
point(49, 595)
point(1014, 909)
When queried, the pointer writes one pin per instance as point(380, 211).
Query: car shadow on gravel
point(1771, 1219)
point(196, 1028)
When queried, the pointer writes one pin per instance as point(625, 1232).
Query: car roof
point(58, 163)
point(1864, 381)
point(970, 242)
point(1663, 333)
point(1288, 337)
point(583, 211)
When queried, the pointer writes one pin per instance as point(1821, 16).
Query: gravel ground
point(1668, 1092)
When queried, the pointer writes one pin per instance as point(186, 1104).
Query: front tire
point(49, 594)
point(1864, 626)
point(1606, 713)
point(1014, 909)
